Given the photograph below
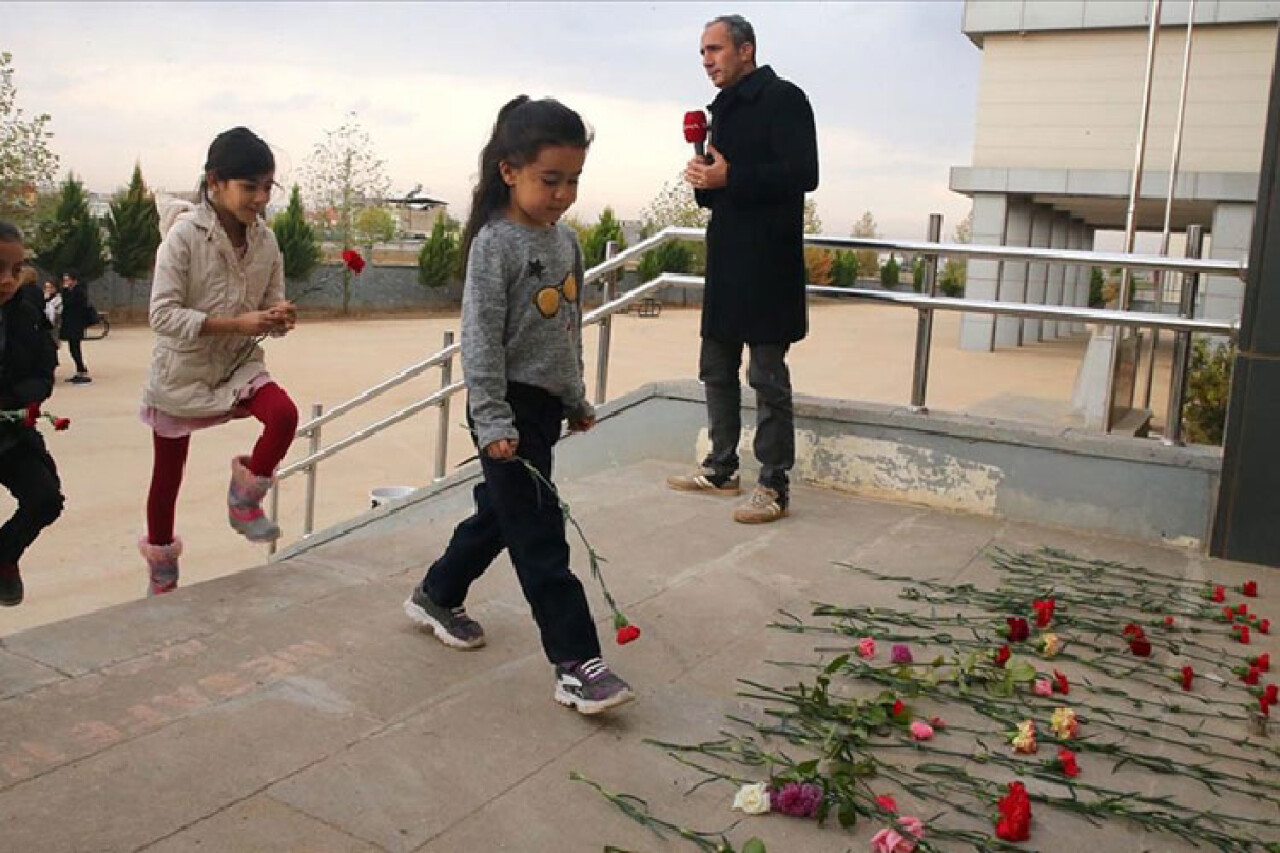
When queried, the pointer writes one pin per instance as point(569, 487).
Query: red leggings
point(279, 417)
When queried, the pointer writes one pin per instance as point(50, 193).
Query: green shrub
point(1204, 412)
point(889, 273)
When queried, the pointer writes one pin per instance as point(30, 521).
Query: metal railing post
point(606, 327)
point(924, 323)
point(442, 433)
point(309, 512)
point(1182, 343)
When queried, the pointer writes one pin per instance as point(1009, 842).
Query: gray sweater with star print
point(522, 322)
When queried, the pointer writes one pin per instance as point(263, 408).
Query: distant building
point(1059, 103)
point(416, 213)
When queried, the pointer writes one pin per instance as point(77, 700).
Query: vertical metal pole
point(273, 513)
point(1182, 343)
point(924, 322)
point(606, 328)
point(442, 433)
point(313, 446)
point(1176, 157)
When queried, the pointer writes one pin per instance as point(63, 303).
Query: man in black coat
point(27, 470)
point(762, 160)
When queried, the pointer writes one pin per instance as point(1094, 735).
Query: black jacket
point(76, 316)
point(26, 372)
point(764, 127)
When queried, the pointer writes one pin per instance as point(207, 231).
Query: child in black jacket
point(27, 357)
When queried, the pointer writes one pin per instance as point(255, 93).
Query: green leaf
point(1020, 671)
point(847, 815)
point(754, 845)
point(837, 664)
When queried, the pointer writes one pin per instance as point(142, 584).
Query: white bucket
point(385, 494)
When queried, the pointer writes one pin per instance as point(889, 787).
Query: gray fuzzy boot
point(244, 503)
point(162, 564)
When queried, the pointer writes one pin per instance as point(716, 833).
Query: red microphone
point(695, 131)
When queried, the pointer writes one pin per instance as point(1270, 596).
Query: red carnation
point(1242, 633)
point(1044, 612)
point(1060, 683)
point(1229, 614)
point(1250, 589)
point(1262, 662)
point(1219, 594)
point(1264, 627)
point(1252, 676)
point(1002, 655)
point(1242, 609)
point(1272, 694)
point(1168, 621)
point(1015, 814)
point(898, 708)
point(1134, 631)
point(61, 424)
point(628, 633)
point(1140, 646)
point(1067, 760)
point(1019, 630)
point(31, 414)
point(353, 260)
point(887, 803)
point(1187, 674)
point(1264, 706)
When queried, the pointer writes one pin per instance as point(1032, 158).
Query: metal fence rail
point(924, 303)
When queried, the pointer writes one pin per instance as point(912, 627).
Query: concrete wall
point(1132, 488)
point(1071, 99)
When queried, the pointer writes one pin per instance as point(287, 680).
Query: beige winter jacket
point(198, 275)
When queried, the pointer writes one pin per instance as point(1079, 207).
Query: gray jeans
point(775, 442)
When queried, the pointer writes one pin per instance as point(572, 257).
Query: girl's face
point(543, 189)
point(12, 256)
point(242, 198)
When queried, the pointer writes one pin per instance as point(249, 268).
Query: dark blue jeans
point(29, 473)
point(775, 443)
point(515, 512)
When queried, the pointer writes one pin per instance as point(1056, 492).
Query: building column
point(989, 212)
point(1224, 295)
point(1056, 284)
point(1042, 220)
point(1088, 240)
point(1013, 274)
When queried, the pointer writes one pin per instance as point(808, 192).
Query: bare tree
point(27, 164)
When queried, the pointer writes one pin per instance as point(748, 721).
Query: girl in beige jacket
point(218, 291)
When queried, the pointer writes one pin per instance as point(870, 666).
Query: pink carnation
point(889, 840)
point(920, 730)
point(866, 647)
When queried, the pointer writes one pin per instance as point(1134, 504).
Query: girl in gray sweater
point(522, 359)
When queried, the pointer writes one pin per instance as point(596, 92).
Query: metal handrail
point(923, 303)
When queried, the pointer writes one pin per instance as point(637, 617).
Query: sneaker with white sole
point(590, 687)
point(764, 505)
point(707, 480)
point(451, 625)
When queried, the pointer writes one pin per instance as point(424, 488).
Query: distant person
point(763, 159)
point(218, 291)
point(522, 358)
point(26, 378)
point(53, 309)
point(76, 318)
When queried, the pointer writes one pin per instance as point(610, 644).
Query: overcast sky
point(893, 87)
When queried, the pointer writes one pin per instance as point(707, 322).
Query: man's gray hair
point(740, 29)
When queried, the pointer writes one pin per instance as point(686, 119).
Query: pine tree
point(71, 240)
point(297, 240)
point(438, 258)
point(133, 230)
point(606, 229)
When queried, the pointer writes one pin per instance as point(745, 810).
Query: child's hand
point(257, 322)
point(582, 424)
point(286, 317)
point(503, 448)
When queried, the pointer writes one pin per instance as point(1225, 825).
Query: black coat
point(76, 316)
point(764, 127)
point(26, 372)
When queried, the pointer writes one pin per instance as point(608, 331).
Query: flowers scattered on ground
point(1188, 674)
point(797, 799)
point(887, 803)
point(1050, 645)
point(1024, 739)
point(627, 634)
point(1018, 629)
point(891, 840)
point(1249, 589)
point(867, 648)
point(1066, 763)
point(1042, 687)
point(752, 798)
point(901, 654)
point(1060, 683)
point(1002, 655)
point(1044, 611)
point(1064, 723)
point(920, 730)
point(1014, 822)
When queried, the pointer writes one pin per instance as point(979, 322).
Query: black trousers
point(74, 345)
point(29, 473)
point(515, 512)
point(719, 364)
